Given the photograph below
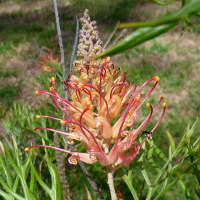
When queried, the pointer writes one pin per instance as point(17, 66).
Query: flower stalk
point(111, 185)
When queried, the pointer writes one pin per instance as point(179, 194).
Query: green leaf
point(137, 37)
point(197, 191)
point(56, 185)
point(32, 182)
point(5, 195)
point(191, 131)
point(161, 189)
point(128, 181)
point(143, 34)
point(151, 192)
point(16, 184)
point(59, 187)
point(166, 189)
point(187, 194)
point(40, 181)
point(170, 159)
point(9, 190)
point(12, 162)
point(150, 155)
point(176, 167)
point(171, 140)
point(191, 7)
point(196, 143)
point(160, 153)
point(6, 172)
point(164, 3)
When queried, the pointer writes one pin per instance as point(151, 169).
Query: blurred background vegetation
point(28, 30)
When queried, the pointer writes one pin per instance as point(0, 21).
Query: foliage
point(20, 121)
point(19, 178)
point(181, 160)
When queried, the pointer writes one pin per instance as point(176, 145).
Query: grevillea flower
point(99, 96)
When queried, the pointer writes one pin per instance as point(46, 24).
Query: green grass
point(155, 48)
point(7, 73)
point(8, 93)
point(176, 76)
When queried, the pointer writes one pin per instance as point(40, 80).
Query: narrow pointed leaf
point(54, 190)
point(166, 189)
point(39, 180)
point(185, 191)
point(151, 192)
point(189, 8)
point(137, 37)
point(6, 172)
point(160, 153)
point(150, 155)
point(16, 184)
point(170, 159)
point(9, 190)
point(191, 131)
point(171, 140)
point(32, 183)
point(176, 167)
point(59, 188)
point(196, 143)
point(164, 3)
point(130, 186)
point(5, 195)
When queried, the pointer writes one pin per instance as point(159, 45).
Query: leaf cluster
point(182, 160)
point(19, 178)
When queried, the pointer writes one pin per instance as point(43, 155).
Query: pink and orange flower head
point(98, 96)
